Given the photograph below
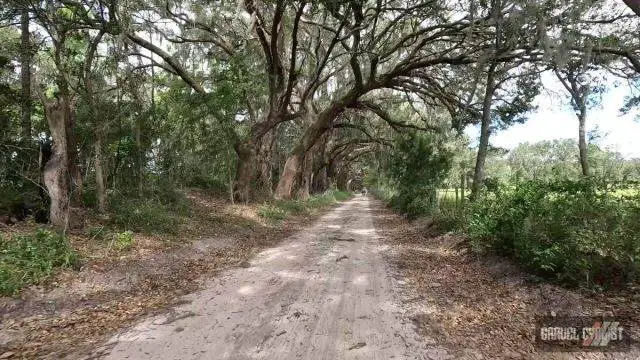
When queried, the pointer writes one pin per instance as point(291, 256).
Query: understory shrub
point(418, 166)
point(450, 215)
point(162, 213)
point(383, 191)
point(32, 258)
point(272, 212)
point(578, 232)
point(124, 240)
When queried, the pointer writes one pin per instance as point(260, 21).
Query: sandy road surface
point(325, 293)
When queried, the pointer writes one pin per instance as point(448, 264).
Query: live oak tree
point(370, 63)
point(579, 56)
point(508, 73)
point(369, 49)
point(573, 22)
point(582, 90)
point(62, 176)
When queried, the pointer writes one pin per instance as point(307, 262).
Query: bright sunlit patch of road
point(246, 290)
point(361, 280)
point(367, 231)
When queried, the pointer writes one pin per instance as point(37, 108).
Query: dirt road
point(324, 293)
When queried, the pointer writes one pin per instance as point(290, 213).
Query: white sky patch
point(555, 119)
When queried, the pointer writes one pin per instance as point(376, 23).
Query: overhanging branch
point(182, 72)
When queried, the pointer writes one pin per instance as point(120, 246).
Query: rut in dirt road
point(325, 293)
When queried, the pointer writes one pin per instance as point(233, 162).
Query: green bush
point(32, 258)
point(450, 215)
point(8, 197)
point(89, 196)
point(291, 206)
point(272, 212)
point(152, 215)
point(419, 164)
point(124, 240)
point(578, 232)
point(383, 190)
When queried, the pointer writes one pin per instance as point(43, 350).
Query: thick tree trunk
point(582, 142)
point(293, 166)
point(483, 146)
point(304, 188)
point(255, 163)
point(342, 180)
point(264, 158)
point(100, 181)
point(319, 166)
point(56, 170)
point(98, 127)
point(245, 171)
point(25, 74)
point(320, 180)
point(332, 173)
point(319, 124)
point(62, 177)
point(265, 179)
point(76, 183)
point(479, 173)
point(312, 176)
point(230, 176)
point(290, 175)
